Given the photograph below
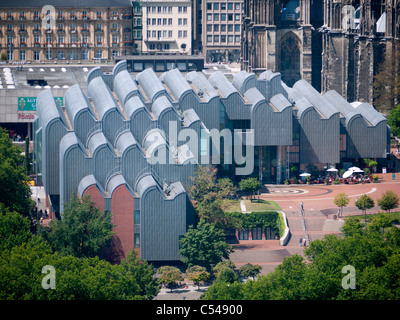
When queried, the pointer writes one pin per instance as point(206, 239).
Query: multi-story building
point(167, 26)
point(133, 142)
point(65, 30)
point(221, 34)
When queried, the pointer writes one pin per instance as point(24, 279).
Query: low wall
point(286, 235)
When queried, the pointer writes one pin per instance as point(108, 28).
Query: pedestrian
point(301, 204)
point(338, 212)
point(304, 243)
point(38, 200)
point(300, 241)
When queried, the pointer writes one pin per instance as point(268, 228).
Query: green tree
point(222, 265)
point(250, 270)
point(394, 120)
point(250, 185)
point(204, 182)
point(142, 274)
point(169, 276)
point(14, 229)
point(389, 201)
point(82, 231)
point(204, 245)
point(341, 200)
point(197, 274)
point(365, 202)
point(15, 191)
point(227, 275)
point(225, 188)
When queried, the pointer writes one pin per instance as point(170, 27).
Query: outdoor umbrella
point(332, 170)
point(353, 168)
point(305, 174)
point(358, 171)
point(347, 174)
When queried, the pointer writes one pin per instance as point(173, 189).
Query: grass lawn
point(261, 205)
point(255, 205)
point(395, 216)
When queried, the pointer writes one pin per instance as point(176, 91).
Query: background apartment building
point(167, 26)
point(221, 34)
point(79, 31)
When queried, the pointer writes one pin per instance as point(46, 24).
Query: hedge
point(268, 219)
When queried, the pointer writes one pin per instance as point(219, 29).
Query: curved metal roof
point(113, 183)
point(221, 82)
point(47, 109)
point(153, 139)
point(132, 105)
point(242, 80)
point(203, 87)
point(150, 83)
point(160, 105)
point(75, 102)
point(254, 96)
point(344, 107)
point(125, 141)
point(176, 189)
point(124, 86)
point(372, 116)
point(268, 75)
point(176, 83)
point(325, 108)
point(190, 116)
point(102, 97)
point(96, 141)
point(145, 183)
point(280, 102)
point(85, 183)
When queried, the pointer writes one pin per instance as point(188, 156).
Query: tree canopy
point(82, 231)
point(374, 255)
point(15, 191)
point(204, 245)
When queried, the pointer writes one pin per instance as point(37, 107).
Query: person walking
point(300, 242)
point(301, 205)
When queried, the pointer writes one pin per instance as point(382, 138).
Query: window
point(9, 27)
point(36, 38)
point(216, 27)
point(237, 27)
point(159, 21)
point(230, 38)
point(9, 39)
point(154, 34)
point(223, 27)
point(22, 39)
point(237, 16)
point(237, 38)
point(223, 17)
point(230, 6)
point(209, 27)
point(179, 22)
point(159, 9)
point(223, 38)
point(136, 240)
point(209, 38)
point(98, 14)
point(209, 17)
point(48, 38)
point(115, 39)
point(216, 38)
point(73, 27)
point(22, 55)
point(49, 55)
point(9, 55)
point(169, 9)
point(166, 46)
point(209, 6)
point(185, 33)
point(152, 46)
point(60, 55)
point(185, 22)
point(180, 34)
point(99, 54)
point(216, 17)
point(230, 27)
point(237, 6)
point(115, 53)
point(73, 38)
point(230, 17)
point(84, 55)
point(22, 27)
point(98, 38)
point(72, 55)
point(154, 21)
point(60, 38)
point(84, 38)
point(164, 9)
point(164, 22)
point(36, 55)
point(170, 21)
point(216, 6)
point(169, 33)
point(223, 6)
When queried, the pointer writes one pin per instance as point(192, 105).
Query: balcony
point(99, 44)
point(36, 44)
point(127, 16)
point(22, 44)
point(36, 17)
point(10, 17)
point(36, 30)
point(73, 17)
point(22, 31)
point(128, 43)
